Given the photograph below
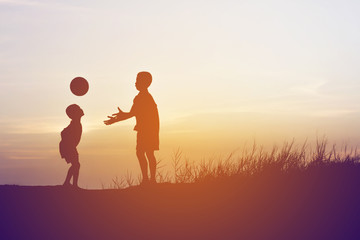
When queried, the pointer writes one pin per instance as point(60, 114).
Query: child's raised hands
point(116, 117)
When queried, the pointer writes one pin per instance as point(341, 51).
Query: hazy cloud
point(334, 112)
point(22, 3)
point(312, 88)
point(41, 4)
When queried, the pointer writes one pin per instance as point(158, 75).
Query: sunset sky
point(225, 73)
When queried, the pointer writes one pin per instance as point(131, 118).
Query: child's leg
point(76, 169)
point(152, 165)
point(70, 173)
point(143, 164)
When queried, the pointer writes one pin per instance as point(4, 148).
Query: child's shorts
point(70, 154)
point(147, 141)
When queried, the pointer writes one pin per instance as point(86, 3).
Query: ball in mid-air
point(79, 86)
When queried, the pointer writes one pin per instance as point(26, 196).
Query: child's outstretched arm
point(117, 117)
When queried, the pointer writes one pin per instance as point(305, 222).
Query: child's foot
point(145, 182)
point(67, 184)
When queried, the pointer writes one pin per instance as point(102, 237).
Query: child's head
point(74, 111)
point(143, 81)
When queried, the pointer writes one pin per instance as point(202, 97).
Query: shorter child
point(70, 138)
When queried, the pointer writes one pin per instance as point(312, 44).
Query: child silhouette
point(144, 109)
point(70, 138)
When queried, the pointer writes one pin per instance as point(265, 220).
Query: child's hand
point(110, 121)
point(116, 117)
point(119, 113)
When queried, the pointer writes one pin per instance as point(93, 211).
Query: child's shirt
point(146, 113)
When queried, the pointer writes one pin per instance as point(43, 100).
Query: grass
point(289, 192)
point(252, 161)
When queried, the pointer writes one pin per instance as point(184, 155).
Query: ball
point(79, 86)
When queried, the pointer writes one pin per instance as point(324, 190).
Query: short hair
point(72, 110)
point(145, 78)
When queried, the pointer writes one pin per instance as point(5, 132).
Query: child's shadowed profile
point(70, 138)
point(144, 109)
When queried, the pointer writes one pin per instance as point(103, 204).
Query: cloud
point(5, 39)
point(21, 3)
point(31, 125)
point(334, 112)
point(312, 88)
point(58, 6)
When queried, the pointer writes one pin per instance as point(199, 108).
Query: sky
point(225, 74)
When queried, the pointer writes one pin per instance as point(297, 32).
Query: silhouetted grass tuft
point(253, 161)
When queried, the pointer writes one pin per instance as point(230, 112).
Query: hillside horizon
point(321, 202)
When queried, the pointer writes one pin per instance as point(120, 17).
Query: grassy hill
point(278, 200)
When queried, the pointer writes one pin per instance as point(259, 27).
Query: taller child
point(144, 109)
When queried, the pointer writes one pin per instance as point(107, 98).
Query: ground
point(274, 206)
